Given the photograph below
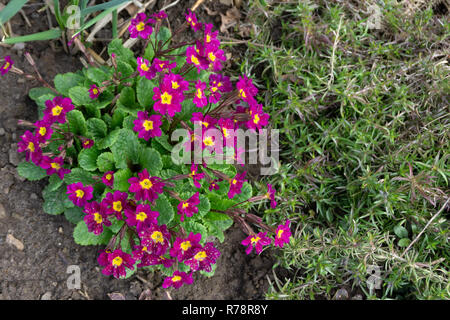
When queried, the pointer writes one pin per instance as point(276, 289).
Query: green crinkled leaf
point(246, 193)
point(122, 53)
point(404, 242)
point(64, 82)
point(126, 148)
point(97, 128)
point(121, 179)
point(117, 118)
point(54, 182)
point(204, 205)
point(87, 158)
point(77, 122)
point(163, 141)
point(195, 227)
point(400, 231)
point(127, 98)
point(150, 159)
point(165, 209)
point(31, 171)
point(83, 237)
point(74, 214)
point(36, 93)
point(108, 141)
point(98, 75)
point(128, 121)
point(79, 175)
point(105, 162)
point(124, 68)
point(115, 224)
point(55, 201)
point(144, 92)
point(79, 95)
point(219, 202)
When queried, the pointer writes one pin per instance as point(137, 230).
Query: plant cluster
point(104, 141)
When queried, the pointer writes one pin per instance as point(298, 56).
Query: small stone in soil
point(2, 212)
point(47, 296)
point(10, 239)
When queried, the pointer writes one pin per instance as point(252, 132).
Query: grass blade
point(45, 35)
point(103, 6)
point(11, 9)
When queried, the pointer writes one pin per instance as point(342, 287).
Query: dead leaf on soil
point(116, 296)
point(226, 2)
point(15, 242)
point(210, 12)
point(230, 19)
point(146, 295)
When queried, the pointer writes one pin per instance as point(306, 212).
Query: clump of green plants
point(105, 140)
point(362, 111)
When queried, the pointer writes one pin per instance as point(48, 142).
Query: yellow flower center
point(31, 146)
point(7, 64)
point(225, 132)
point(140, 26)
point(175, 85)
point(157, 237)
point(208, 38)
point(108, 176)
point(279, 233)
point(208, 141)
point(141, 216)
point(166, 98)
point(94, 91)
point(176, 278)
point(242, 93)
point(200, 256)
point(199, 93)
point(144, 67)
point(146, 184)
point(42, 131)
point(185, 205)
point(117, 206)
point(56, 110)
point(256, 119)
point(205, 124)
point(234, 181)
point(55, 165)
point(195, 60)
point(255, 239)
point(98, 218)
point(185, 245)
point(117, 261)
point(79, 193)
point(161, 65)
point(211, 56)
point(148, 125)
point(214, 89)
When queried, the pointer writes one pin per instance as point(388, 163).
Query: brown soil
point(39, 268)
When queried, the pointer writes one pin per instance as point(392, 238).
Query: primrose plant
point(104, 138)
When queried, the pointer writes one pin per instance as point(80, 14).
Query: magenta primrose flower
point(176, 82)
point(79, 194)
point(54, 165)
point(218, 84)
point(203, 258)
point(236, 184)
point(196, 176)
point(193, 57)
point(6, 66)
point(206, 121)
point(29, 144)
point(160, 15)
point(182, 249)
point(167, 100)
point(210, 36)
point(213, 185)
point(200, 100)
point(215, 57)
point(188, 207)
point(96, 217)
point(258, 119)
point(192, 21)
point(87, 143)
point(57, 108)
point(147, 126)
point(142, 254)
point(94, 92)
point(256, 241)
point(43, 130)
point(108, 178)
point(177, 280)
point(142, 217)
point(163, 66)
point(156, 239)
point(282, 234)
point(271, 195)
point(146, 187)
point(116, 262)
point(247, 91)
point(145, 69)
point(140, 26)
point(116, 203)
